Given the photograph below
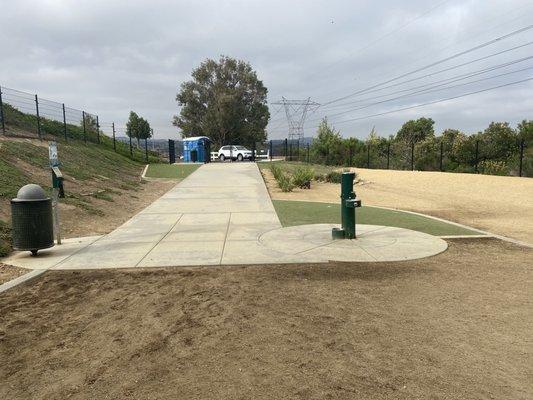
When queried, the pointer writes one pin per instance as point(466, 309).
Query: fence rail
point(412, 156)
point(25, 114)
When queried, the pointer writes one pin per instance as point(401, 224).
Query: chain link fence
point(27, 115)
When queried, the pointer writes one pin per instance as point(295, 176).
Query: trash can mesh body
point(32, 224)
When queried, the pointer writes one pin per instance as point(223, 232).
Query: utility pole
point(2, 113)
point(64, 122)
point(296, 112)
point(84, 129)
point(38, 117)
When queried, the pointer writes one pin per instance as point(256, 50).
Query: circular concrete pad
point(373, 243)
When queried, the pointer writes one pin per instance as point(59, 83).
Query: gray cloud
point(111, 57)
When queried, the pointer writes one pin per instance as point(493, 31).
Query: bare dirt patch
point(454, 326)
point(9, 272)
point(499, 204)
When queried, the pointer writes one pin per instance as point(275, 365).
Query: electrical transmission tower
point(296, 111)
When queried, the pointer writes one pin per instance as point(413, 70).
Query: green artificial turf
point(173, 171)
point(304, 212)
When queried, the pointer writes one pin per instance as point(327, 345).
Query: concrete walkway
point(222, 214)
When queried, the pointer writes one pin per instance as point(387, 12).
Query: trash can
point(31, 219)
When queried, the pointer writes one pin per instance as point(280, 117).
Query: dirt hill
point(103, 188)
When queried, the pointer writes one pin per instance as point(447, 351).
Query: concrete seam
point(76, 252)
point(225, 240)
point(159, 241)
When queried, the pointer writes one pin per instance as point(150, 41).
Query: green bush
point(491, 167)
point(302, 176)
point(282, 178)
point(334, 177)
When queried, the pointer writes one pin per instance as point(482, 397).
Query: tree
point(224, 101)
point(499, 142)
point(414, 131)
point(137, 127)
point(525, 130)
point(326, 148)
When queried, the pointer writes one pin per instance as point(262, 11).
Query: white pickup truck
point(235, 153)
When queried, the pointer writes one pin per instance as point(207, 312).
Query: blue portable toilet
point(197, 149)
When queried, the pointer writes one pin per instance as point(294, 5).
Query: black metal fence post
point(308, 160)
point(286, 149)
point(441, 155)
point(171, 151)
point(522, 145)
point(38, 117)
point(64, 121)
point(114, 143)
point(131, 147)
point(477, 156)
point(290, 150)
point(388, 155)
point(2, 113)
point(84, 128)
point(413, 155)
point(97, 130)
point(146, 149)
point(368, 156)
point(270, 150)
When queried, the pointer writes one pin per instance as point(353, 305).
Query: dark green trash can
point(31, 219)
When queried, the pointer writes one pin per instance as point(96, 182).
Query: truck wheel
point(240, 157)
point(222, 158)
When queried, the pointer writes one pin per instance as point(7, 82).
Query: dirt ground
point(499, 204)
point(9, 272)
point(454, 326)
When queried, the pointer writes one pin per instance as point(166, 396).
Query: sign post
point(57, 187)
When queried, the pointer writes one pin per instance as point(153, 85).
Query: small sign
point(52, 154)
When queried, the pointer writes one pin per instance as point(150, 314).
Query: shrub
point(284, 180)
point(302, 176)
point(334, 177)
point(285, 183)
point(491, 167)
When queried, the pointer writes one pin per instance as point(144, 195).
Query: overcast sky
point(110, 57)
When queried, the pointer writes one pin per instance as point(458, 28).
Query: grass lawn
point(304, 212)
point(173, 171)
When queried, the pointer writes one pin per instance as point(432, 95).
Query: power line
point(439, 72)
point(480, 46)
point(369, 45)
point(473, 35)
point(431, 90)
point(435, 84)
point(432, 102)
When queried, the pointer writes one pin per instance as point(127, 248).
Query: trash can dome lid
point(31, 192)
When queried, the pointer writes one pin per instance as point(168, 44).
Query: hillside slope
point(103, 188)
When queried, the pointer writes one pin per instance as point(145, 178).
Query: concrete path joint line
point(160, 240)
